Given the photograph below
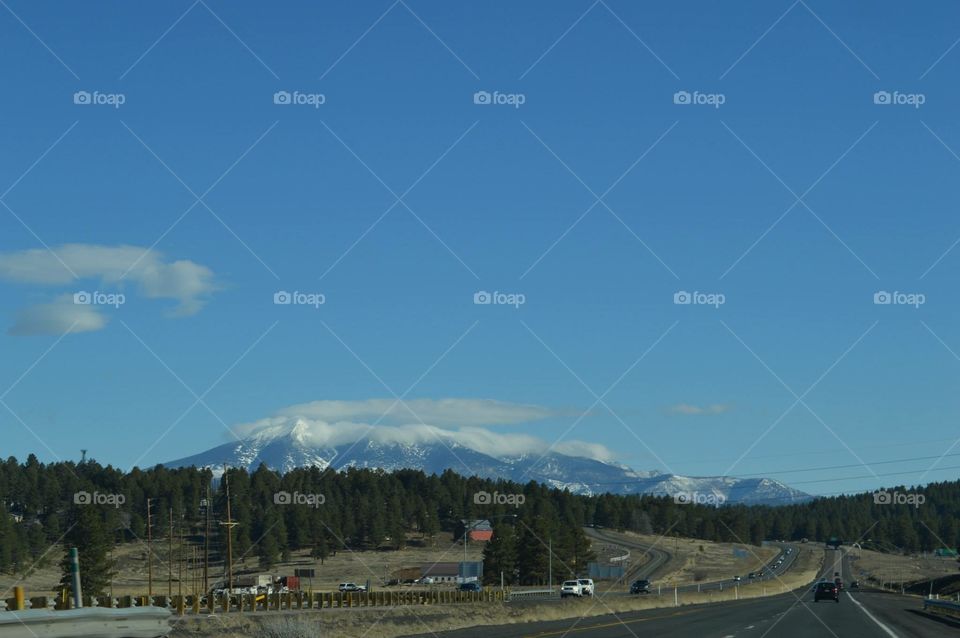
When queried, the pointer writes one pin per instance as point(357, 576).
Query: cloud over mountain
point(452, 421)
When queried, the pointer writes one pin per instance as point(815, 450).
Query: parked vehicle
point(352, 587)
point(472, 586)
point(571, 588)
point(586, 585)
point(640, 587)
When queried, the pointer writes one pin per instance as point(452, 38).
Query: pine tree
point(93, 541)
point(500, 556)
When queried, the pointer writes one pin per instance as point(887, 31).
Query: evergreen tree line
point(327, 511)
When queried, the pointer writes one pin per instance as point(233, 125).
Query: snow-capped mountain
point(286, 447)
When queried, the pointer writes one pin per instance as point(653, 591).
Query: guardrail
point(941, 608)
point(527, 594)
point(262, 602)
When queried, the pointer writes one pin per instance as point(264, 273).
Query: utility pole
point(180, 561)
point(170, 558)
point(149, 554)
point(206, 542)
point(229, 524)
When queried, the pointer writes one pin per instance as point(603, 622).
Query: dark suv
point(640, 587)
point(828, 591)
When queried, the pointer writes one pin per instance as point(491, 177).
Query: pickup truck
point(571, 588)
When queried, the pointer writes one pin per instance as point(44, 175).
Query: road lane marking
point(618, 623)
point(886, 629)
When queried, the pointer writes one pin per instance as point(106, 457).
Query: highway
point(859, 614)
point(660, 557)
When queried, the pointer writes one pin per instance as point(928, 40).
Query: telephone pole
point(180, 561)
point(229, 524)
point(149, 553)
point(206, 542)
point(170, 558)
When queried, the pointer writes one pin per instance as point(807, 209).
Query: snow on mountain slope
point(286, 447)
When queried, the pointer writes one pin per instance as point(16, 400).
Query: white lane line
point(879, 624)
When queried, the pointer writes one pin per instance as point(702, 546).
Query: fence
point(264, 602)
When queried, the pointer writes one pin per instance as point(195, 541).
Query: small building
point(479, 531)
point(441, 572)
point(461, 572)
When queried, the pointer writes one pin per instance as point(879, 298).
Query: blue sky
point(298, 198)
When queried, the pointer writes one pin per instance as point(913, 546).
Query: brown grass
point(402, 621)
point(876, 567)
point(694, 560)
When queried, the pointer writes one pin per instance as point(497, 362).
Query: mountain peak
point(284, 447)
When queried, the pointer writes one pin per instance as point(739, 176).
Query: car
point(827, 591)
point(571, 588)
point(351, 587)
point(736, 578)
point(586, 584)
point(641, 586)
point(426, 580)
point(854, 584)
point(471, 586)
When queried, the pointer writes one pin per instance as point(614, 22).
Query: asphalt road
point(659, 558)
point(859, 614)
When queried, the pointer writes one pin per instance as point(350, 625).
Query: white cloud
point(689, 409)
point(56, 318)
point(336, 423)
point(439, 412)
point(186, 282)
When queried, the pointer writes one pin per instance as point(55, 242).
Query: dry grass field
point(695, 560)
point(876, 567)
point(345, 566)
point(405, 621)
